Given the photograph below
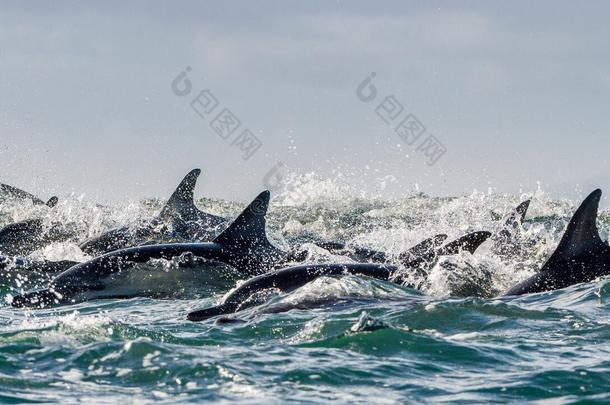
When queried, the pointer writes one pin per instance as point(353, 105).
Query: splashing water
point(343, 339)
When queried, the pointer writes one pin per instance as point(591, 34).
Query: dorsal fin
point(182, 203)
point(248, 229)
point(52, 202)
point(427, 245)
point(522, 209)
point(469, 243)
point(518, 215)
point(424, 251)
point(581, 233)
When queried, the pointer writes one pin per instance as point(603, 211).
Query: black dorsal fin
point(427, 245)
point(52, 202)
point(521, 210)
point(469, 243)
point(182, 203)
point(581, 234)
point(423, 251)
point(516, 218)
point(248, 229)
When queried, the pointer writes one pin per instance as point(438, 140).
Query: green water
point(458, 350)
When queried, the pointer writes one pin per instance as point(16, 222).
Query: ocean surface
point(335, 340)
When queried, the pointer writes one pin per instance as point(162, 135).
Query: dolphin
point(286, 280)
point(36, 266)
point(419, 260)
point(426, 251)
point(418, 267)
point(580, 257)
point(291, 278)
point(469, 243)
point(18, 271)
point(16, 193)
point(243, 245)
point(21, 272)
point(519, 211)
point(178, 218)
point(362, 254)
point(508, 241)
point(24, 237)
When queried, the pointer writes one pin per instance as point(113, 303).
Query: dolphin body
point(581, 255)
point(425, 252)
point(505, 241)
point(286, 280)
point(24, 237)
point(362, 254)
point(243, 245)
point(37, 266)
point(20, 272)
point(16, 193)
point(508, 240)
point(179, 217)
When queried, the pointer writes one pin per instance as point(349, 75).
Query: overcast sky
point(517, 92)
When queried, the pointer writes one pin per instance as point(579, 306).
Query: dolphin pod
point(243, 245)
point(581, 255)
point(179, 219)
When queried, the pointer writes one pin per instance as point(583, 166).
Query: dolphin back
point(581, 255)
point(24, 195)
point(288, 279)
